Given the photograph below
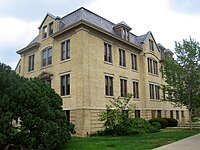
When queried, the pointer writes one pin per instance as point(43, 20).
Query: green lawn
point(136, 142)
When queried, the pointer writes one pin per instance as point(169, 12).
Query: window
point(44, 32)
point(107, 52)
point(182, 113)
point(137, 113)
point(154, 91)
point(135, 89)
point(151, 91)
point(65, 50)
point(171, 113)
point(151, 45)
point(177, 114)
point(122, 59)
point(157, 90)
point(67, 113)
point(47, 56)
point(125, 34)
point(123, 87)
point(50, 28)
point(155, 67)
point(109, 86)
point(30, 63)
point(65, 85)
point(158, 113)
point(134, 61)
point(152, 66)
point(47, 82)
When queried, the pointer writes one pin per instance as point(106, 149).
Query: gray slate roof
point(96, 20)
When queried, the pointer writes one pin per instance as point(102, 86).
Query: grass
point(135, 142)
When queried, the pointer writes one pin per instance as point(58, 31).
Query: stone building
point(88, 60)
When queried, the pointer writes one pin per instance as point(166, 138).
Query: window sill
point(106, 96)
point(135, 70)
point(47, 66)
point(109, 63)
point(66, 96)
point(32, 71)
point(155, 100)
point(63, 61)
point(155, 75)
point(122, 67)
point(136, 99)
point(43, 39)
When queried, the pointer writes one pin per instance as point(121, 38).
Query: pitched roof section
point(96, 20)
point(83, 14)
point(122, 24)
point(35, 40)
point(50, 15)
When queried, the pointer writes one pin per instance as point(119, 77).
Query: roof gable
point(48, 15)
point(145, 37)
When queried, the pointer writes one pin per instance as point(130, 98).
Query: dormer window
point(44, 32)
point(125, 34)
point(122, 30)
point(151, 45)
point(50, 28)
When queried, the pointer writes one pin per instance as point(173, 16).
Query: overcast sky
point(169, 20)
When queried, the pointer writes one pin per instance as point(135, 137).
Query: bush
point(162, 122)
point(42, 123)
point(157, 125)
point(171, 122)
point(72, 128)
point(131, 126)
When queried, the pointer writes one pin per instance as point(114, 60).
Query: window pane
point(49, 56)
point(63, 50)
point(68, 84)
point(68, 49)
point(106, 85)
point(105, 52)
point(44, 32)
point(109, 53)
point(44, 58)
point(51, 28)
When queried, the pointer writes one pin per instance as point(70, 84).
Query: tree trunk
point(190, 118)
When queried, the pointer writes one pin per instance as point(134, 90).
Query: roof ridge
point(89, 12)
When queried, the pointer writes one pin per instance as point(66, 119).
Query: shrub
point(157, 125)
point(171, 122)
point(132, 126)
point(162, 122)
point(153, 129)
point(72, 128)
point(43, 125)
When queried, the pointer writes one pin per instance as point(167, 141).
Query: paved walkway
point(191, 143)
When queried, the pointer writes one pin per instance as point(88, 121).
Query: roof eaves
point(28, 47)
point(97, 28)
point(18, 64)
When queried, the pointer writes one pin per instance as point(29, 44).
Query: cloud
point(20, 20)
point(185, 6)
point(36, 9)
point(15, 34)
point(167, 26)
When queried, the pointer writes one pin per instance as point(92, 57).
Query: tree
point(116, 113)
point(37, 108)
point(182, 76)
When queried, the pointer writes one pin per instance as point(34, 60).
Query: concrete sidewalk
point(191, 143)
